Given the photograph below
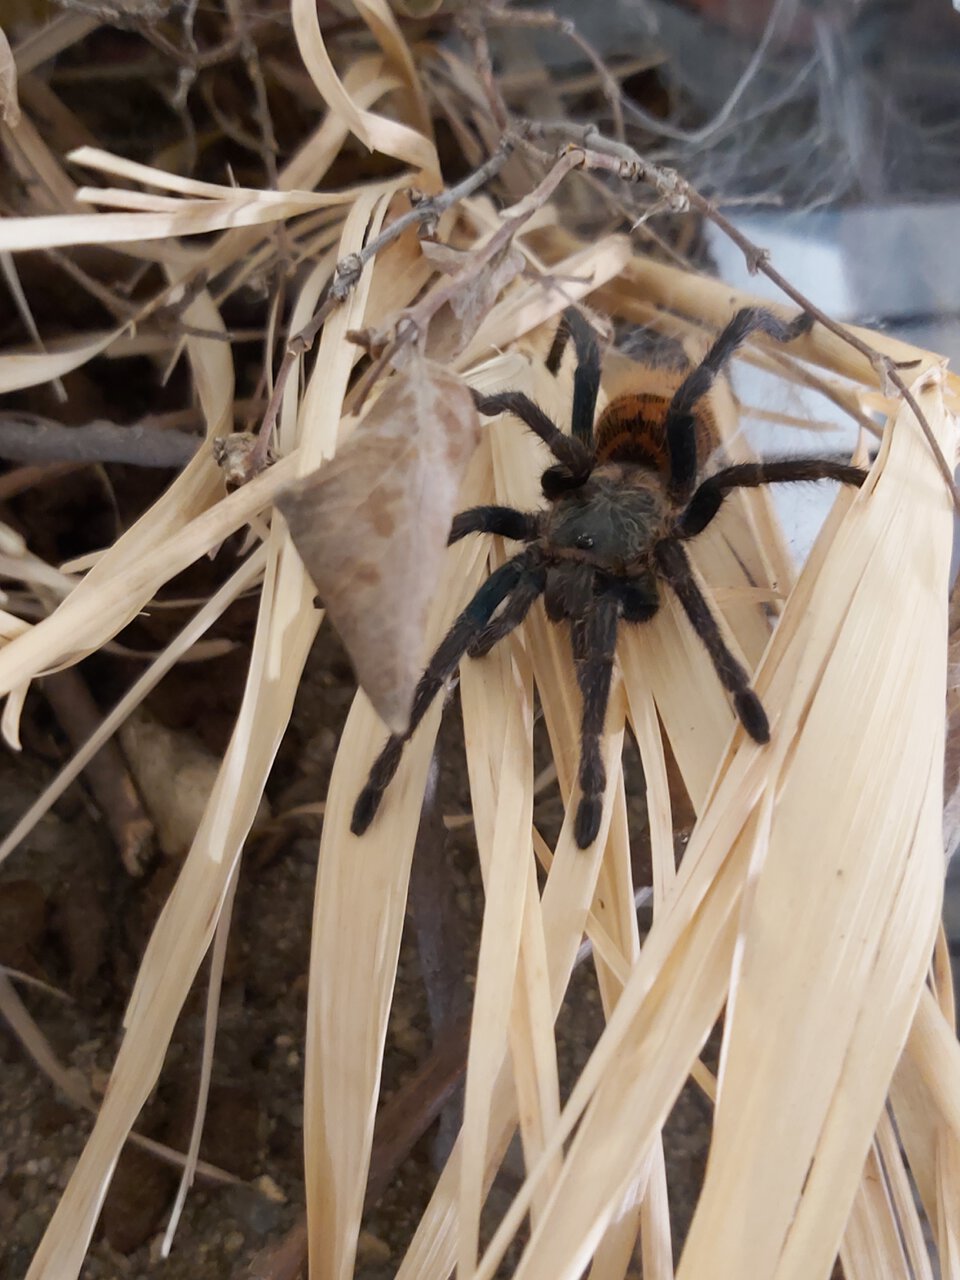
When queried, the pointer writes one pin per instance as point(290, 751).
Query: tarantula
point(622, 498)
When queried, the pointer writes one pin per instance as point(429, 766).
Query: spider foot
point(752, 715)
point(586, 826)
point(483, 643)
point(365, 809)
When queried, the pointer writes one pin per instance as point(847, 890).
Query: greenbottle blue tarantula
point(622, 498)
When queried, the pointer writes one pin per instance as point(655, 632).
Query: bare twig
point(348, 271)
point(415, 1105)
point(240, 21)
point(545, 20)
point(28, 437)
point(193, 60)
point(474, 32)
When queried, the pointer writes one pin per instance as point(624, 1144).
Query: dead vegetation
point(806, 905)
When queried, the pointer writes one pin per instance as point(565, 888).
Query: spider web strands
point(870, 926)
point(847, 395)
point(714, 302)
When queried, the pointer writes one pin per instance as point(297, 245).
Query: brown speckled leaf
point(371, 526)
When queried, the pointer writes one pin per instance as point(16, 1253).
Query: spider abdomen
point(633, 426)
point(631, 429)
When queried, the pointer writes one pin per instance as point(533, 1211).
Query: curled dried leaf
point(444, 257)
point(471, 303)
point(240, 457)
point(371, 526)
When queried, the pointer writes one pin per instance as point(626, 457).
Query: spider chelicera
point(622, 498)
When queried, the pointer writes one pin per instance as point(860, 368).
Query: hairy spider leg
point(515, 609)
point(675, 568)
point(467, 627)
point(680, 424)
point(707, 500)
point(519, 526)
point(594, 640)
point(575, 458)
point(586, 378)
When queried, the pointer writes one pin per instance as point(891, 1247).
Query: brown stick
point(28, 437)
point(106, 773)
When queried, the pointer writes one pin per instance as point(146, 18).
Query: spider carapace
point(622, 498)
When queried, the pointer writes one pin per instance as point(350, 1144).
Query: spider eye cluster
point(613, 527)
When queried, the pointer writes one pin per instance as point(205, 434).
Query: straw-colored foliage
point(807, 902)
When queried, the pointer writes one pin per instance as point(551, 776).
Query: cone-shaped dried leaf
point(371, 526)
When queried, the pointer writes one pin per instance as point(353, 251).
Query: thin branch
point(348, 271)
point(30, 438)
point(474, 32)
point(545, 20)
point(268, 148)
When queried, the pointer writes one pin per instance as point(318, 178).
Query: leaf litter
point(374, 497)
